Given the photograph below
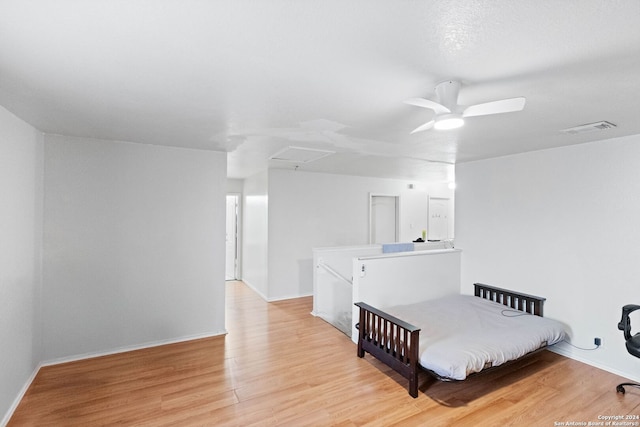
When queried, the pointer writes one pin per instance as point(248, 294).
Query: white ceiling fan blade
point(426, 103)
point(425, 126)
point(495, 107)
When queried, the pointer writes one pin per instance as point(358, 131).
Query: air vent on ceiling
point(589, 127)
point(300, 154)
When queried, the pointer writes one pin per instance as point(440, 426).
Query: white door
point(384, 219)
point(232, 238)
point(438, 226)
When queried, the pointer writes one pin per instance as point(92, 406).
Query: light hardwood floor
point(281, 366)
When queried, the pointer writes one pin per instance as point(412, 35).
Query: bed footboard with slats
point(395, 342)
point(390, 340)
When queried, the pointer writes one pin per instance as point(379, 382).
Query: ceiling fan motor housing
point(447, 93)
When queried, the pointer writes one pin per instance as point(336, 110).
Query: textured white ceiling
point(252, 77)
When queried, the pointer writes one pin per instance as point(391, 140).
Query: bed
point(461, 334)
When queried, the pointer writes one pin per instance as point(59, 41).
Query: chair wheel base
point(620, 387)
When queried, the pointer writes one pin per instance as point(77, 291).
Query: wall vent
point(589, 127)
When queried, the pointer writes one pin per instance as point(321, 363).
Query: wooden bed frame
point(395, 342)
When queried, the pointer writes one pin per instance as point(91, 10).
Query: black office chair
point(633, 342)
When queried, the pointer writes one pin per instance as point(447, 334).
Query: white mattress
point(463, 334)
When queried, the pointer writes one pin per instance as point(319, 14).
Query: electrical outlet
point(597, 341)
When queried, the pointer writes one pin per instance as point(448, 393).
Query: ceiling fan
point(450, 115)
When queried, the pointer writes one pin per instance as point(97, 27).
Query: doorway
point(438, 221)
point(383, 219)
point(232, 250)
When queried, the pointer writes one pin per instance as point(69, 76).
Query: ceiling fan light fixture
point(450, 115)
point(449, 121)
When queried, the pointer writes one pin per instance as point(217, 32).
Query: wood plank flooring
point(281, 366)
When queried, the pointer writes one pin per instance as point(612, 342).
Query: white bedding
point(463, 334)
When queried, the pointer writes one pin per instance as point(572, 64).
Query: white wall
point(20, 256)
point(133, 245)
point(563, 224)
point(235, 186)
point(255, 233)
point(309, 210)
point(414, 276)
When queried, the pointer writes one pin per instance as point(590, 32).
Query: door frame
point(238, 255)
point(397, 197)
point(447, 202)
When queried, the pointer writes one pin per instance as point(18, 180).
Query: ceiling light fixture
point(448, 121)
point(450, 115)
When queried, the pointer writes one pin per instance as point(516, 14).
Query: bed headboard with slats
point(515, 300)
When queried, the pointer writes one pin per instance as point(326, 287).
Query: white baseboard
point(282, 298)
point(286, 297)
point(254, 289)
point(125, 349)
point(16, 401)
